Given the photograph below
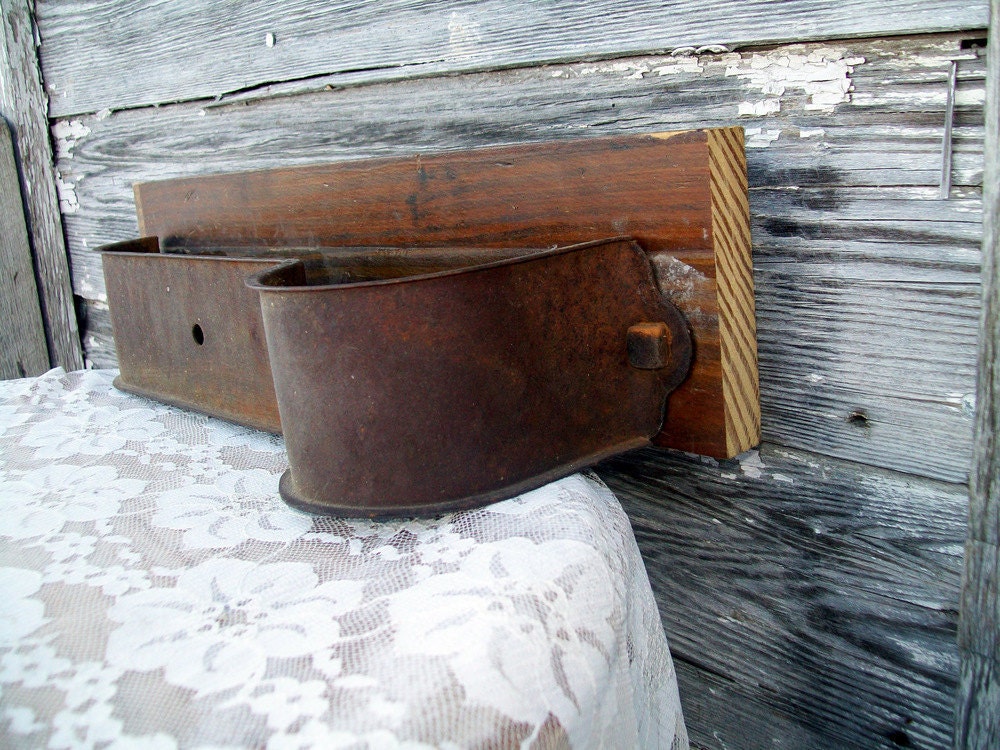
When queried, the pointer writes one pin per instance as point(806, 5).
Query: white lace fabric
point(155, 592)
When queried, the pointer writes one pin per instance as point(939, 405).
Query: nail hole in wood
point(858, 418)
point(899, 738)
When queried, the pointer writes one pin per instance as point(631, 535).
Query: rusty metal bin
point(404, 393)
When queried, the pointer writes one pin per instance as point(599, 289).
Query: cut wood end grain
point(734, 277)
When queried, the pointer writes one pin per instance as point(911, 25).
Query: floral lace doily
point(155, 592)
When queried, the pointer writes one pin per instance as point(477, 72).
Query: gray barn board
point(98, 57)
point(810, 590)
point(23, 350)
point(22, 104)
point(978, 711)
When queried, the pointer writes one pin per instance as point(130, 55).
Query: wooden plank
point(720, 715)
point(978, 713)
point(97, 56)
point(842, 198)
point(23, 351)
point(820, 595)
point(875, 358)
point(979, 631)
point(23, 104)
point(682, 196)
point(984, 511)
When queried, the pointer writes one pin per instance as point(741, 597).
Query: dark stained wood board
point(681, 195)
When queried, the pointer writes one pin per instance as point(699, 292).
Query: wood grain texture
point(24, 105)
point(979, 630)
point(984, 511)
point(681, 196)
point(842, 199)
point(98, 56)
point(978, 713)
point(23, 351)
point(817, 597)
point(978, 718)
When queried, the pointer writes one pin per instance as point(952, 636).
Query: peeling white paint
point(680, 65)
point(970, 97)
point(783, 478)
point(68, 201)
point(66, 133)
point(760, 138)
point(760, 108)
point(464, 37)
point(824, 75)
point(750, 464)
point(631, 70)
point(104, 114)
point(811, 132)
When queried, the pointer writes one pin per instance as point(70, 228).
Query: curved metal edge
point(260, 281)
point(289, 493)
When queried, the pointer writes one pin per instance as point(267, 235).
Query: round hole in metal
point(198, 334)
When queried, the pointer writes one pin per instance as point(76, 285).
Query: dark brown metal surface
point(188, 332)
point(420, 394)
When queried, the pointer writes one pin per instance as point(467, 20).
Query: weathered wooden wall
point(810, 590)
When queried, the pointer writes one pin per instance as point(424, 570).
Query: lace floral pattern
point(155, 592)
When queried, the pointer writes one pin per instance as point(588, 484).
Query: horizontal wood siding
point(817, 598)
point(867, 286)
point(102, 55)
